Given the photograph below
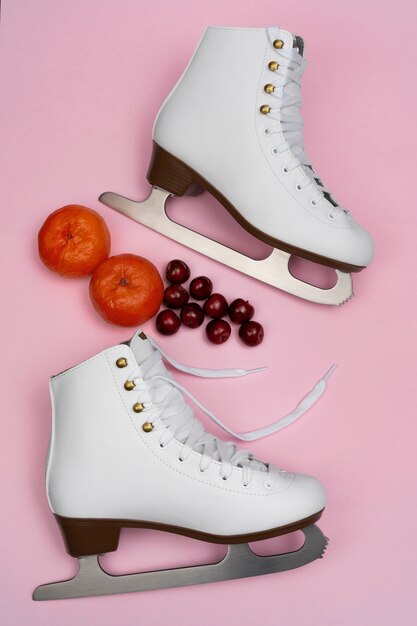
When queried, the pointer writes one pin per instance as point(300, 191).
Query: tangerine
point(126, 290)
point(73, 240)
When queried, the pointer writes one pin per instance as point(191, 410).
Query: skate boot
point(232, 126)
point(126, 451)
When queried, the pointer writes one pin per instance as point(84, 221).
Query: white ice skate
point(232, 126)
point(126, 451)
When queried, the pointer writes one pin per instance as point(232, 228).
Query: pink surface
point(81, 82)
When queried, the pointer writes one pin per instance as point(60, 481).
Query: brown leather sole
point(96, 536)
point(171, 174)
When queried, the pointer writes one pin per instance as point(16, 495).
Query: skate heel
point(169, 173)
point(89, 536)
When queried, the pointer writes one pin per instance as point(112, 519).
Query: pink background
point(81, 82)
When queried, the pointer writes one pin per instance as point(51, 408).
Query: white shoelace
point(168, 411)
point(287, 114)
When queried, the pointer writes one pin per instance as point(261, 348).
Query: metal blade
point(273, 270)
point(239, 562)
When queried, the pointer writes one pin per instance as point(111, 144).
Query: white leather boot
point(233, 120)
point(232, 126)
point(126, 451)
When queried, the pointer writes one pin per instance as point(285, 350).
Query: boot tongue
point(140, 346)
point(142, 349)
point(299, 43)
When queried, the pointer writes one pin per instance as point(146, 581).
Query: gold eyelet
point(265, 109)
point(147, 427)
point(138, 407)
point(122, 362)
point(269, 88)
point(129, 385)
point(273, 66)
point(278, 44)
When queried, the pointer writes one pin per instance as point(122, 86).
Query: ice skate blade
point(239, 562)
point(273, 270)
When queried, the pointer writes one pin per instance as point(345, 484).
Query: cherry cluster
point(216, 307)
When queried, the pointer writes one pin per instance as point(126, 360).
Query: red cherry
point(177, 271)
point(218, 331)
point(251, 333)
point(201, 288)
point(175, 296)
point(167, 322)
point(192, 315)
point(241, 311)
point(215, 306)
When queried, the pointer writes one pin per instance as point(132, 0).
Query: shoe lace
point(286, 112)
point(167, 410)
